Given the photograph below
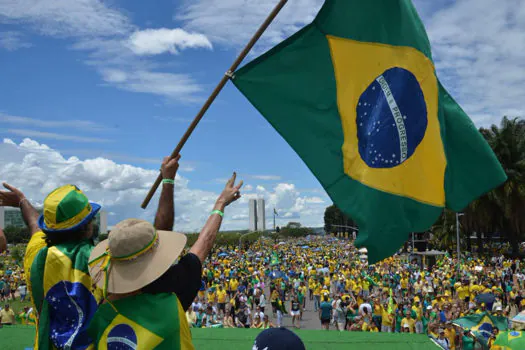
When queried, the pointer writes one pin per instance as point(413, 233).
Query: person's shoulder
point(36, 243)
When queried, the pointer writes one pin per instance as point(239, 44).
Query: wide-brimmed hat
point(134, 255)
point(66, 209)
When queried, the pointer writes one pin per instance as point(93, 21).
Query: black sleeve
point(183, 279)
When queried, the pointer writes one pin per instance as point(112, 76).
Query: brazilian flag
point(144, 321)
point(355, 93)
point(63, 296)
point(482, 325)
point(511, 340)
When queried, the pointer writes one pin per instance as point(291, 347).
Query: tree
point(16, 235)
point(336, 221)
point(504, 207)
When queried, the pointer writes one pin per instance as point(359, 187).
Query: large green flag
point(355, 93)
point(482, 325)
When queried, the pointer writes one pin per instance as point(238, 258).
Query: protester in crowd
point(134, 267)
point(442, 340)
point(325, 312)
point(7, 316)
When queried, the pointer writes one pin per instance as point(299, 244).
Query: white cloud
point(12, 41)
point(266, 177)
point(247, 188)
point(71, 124)
point(65, 18)
point(233, 22)
point(37, 169)
point(173, 86)
point(55, 136)
point(479, 48)
point(102, 32)
point(158, 41)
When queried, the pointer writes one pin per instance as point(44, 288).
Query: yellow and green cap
point(66, 209)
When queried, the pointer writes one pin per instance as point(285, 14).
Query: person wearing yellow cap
point(56, 259)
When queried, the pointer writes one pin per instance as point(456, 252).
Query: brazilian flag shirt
point(144, 321)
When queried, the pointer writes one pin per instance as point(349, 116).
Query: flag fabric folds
point(355, 93)
point(481, 325)
point(144, 321)
point(510, 340)
point(63, 295)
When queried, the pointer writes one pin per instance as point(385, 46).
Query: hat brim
point(132, 275)
point(95, 208)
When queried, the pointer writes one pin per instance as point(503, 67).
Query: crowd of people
point(251, 286)
point(243, 287)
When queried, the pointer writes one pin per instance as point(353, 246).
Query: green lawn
point(20, 337)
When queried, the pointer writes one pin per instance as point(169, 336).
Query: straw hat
point(134, 255)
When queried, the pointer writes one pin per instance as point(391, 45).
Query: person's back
point(55, 265)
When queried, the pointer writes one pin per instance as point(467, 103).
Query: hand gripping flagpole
point(228, 75)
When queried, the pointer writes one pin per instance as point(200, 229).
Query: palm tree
point(504, 207)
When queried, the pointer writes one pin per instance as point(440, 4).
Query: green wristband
point(168, 181)
point(217, 212)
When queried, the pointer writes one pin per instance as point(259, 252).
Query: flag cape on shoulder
point(144, 321)
point(355, 94)
point(63, 296)
point(481, 325)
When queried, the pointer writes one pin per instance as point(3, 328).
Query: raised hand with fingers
point(11, 198)
point(231, 192)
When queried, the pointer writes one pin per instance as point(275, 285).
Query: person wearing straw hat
point(56, 257)
point(145, 295)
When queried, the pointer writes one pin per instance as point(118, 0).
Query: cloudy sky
point(96, 92)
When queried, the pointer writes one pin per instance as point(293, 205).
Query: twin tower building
point(257, 215)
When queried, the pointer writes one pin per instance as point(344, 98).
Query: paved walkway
point(310, 318)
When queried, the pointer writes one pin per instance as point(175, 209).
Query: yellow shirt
point(317, 289)
point(36, 243)
point(221, 296)
point(7, 316)
point(411, 322)
point(233, 285)
point(451, 335)
point(387, 318)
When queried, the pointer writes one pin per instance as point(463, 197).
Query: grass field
point(21, 337)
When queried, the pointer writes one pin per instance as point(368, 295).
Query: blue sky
point(116, 83)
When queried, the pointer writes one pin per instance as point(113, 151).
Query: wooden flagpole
point(215, 92)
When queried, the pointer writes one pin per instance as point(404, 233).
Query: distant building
point(252, 205)
point(261, 215)
point(12, 217)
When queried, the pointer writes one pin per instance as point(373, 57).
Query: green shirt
point(468, 343)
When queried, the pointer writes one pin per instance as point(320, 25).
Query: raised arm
point(204, 243)
point(165, 217)
point(16, 199)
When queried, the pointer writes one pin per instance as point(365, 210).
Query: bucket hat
point(66, 209)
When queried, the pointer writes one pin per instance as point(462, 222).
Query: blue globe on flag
point(391, 118)
point(122, 337)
